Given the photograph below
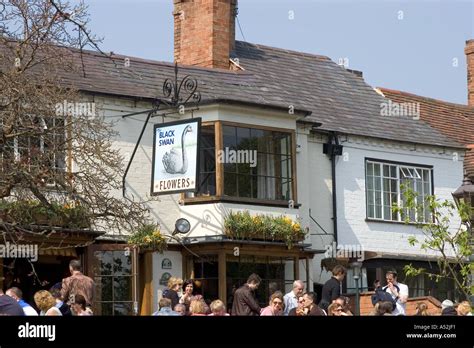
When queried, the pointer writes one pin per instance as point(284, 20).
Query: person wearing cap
point(447, 308)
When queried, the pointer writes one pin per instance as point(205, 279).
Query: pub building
point(315, 163)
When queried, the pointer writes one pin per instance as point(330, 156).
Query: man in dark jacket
point(9, 306)
point(333, 287)
point(245, 303)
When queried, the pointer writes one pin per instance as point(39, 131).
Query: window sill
point(396, 222)
point(237, 200)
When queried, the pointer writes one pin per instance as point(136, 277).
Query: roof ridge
point(157, 62)
point(394, 91)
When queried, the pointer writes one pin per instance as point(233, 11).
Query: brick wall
point(204, 32)
point(469, 50)
point(366, 307)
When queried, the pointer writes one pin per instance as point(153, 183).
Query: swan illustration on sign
point(175, 156)
point(176, 161)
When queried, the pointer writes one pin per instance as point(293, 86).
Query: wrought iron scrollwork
point(175, 95)
point(182, 92)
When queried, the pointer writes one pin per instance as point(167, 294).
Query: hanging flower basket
point(243, 226)
point(149, 238)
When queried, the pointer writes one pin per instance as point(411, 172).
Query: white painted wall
point(315, 192)
point(208, 219)
point(158, 271)
point(386, 236)
point(166, 209)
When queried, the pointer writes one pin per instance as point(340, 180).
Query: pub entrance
point(220, 267)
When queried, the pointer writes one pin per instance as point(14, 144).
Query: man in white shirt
point(398, 291)
point(291, 298)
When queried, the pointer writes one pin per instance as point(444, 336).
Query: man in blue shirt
point(291, 298)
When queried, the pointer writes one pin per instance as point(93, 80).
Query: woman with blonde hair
point(197, 308)
point(276, 305)
point(218, 309)
point(46, 303)
point(171, 293)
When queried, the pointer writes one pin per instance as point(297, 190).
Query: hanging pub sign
point(175, 157)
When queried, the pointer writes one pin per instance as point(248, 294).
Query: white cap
point(446, 304)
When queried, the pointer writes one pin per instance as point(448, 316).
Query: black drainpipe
point(333, 149)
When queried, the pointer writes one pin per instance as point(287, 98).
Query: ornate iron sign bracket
point(176, 95)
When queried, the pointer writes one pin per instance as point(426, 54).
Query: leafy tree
point(56, 150)
point(453, 246)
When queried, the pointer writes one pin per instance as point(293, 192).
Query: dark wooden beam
point(223, 277)
point(147, 298)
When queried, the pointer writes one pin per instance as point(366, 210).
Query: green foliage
point(454, 247)
point(241, 225)
point(149, 237)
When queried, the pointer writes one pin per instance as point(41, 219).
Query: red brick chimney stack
point(469, 50)
point(204, 32)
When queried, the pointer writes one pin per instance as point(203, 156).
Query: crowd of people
point(72, 296)
point(390, 299)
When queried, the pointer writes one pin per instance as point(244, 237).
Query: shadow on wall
point(346, 233)
point(207, 219)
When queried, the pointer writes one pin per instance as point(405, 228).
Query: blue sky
point(416, 46)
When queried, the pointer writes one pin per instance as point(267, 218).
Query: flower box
point(243, 226)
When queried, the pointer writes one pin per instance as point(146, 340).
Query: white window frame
point(408, 171)
point(17, 155)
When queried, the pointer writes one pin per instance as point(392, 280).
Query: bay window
point(246, 163)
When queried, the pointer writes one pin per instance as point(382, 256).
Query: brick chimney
point(204, 32)
point(469, 50)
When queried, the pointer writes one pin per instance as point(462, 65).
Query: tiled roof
point(337, 98)
point(453, 120)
